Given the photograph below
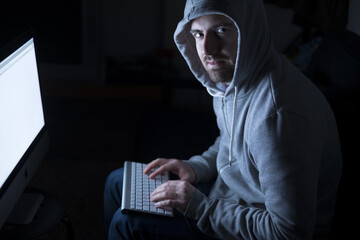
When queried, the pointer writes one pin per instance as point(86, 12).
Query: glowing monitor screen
point(21, 112)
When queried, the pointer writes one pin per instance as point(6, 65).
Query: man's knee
point(114, 179)
point(115, 176)
point(122, 226)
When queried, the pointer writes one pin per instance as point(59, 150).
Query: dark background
point(115, 88)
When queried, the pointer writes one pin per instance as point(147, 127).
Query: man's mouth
point(215, 63)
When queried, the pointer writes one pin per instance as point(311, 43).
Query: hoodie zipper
point(225, 115)
point(233, 127)
point(231, 133)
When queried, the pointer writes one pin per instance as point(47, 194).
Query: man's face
point(216, 45)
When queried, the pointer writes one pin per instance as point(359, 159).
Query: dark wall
point(56, 25)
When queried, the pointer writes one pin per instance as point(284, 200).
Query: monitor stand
point(26, 208)
point(36, 213)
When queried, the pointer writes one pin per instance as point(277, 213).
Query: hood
point(255, 56)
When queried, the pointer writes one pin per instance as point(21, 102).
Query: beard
point(222, 75)
point(219, 74)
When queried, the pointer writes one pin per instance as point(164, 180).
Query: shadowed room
point(115, 88)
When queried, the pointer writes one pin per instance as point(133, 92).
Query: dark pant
point(141, 225)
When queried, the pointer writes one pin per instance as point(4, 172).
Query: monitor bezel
point(22, 174)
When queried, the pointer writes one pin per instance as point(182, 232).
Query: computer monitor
point(23, 135)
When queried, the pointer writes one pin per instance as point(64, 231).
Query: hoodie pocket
point(220, 189)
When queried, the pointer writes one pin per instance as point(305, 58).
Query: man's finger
point(167, 203)
point(163, 187)
point(154, 164)
point(165, 195)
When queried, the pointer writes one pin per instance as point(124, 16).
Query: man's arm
point(204, 165)
point(287, 159)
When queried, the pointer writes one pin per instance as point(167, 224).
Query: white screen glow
point(21, 112)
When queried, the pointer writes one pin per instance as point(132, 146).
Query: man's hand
point(178, 167)
point(174, 194)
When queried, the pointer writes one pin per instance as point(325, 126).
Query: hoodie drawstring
point(232, 127)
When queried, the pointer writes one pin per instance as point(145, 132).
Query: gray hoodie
point(277, 160)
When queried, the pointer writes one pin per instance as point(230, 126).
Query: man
point(277, 160)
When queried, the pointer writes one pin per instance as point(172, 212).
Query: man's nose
point(211, 44)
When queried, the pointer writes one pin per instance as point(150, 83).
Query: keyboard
point(137, 188)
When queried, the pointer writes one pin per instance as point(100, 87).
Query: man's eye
point(221, 30)
point(197, 35)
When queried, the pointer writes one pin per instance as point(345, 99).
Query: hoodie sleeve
point(285, 151)
point(204, 165)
